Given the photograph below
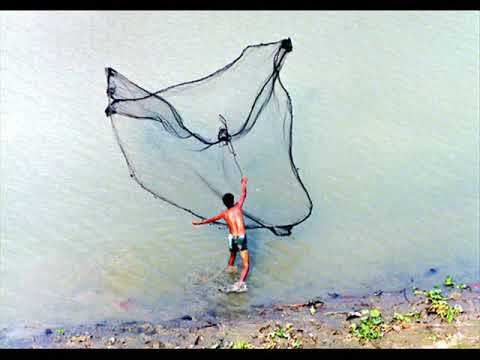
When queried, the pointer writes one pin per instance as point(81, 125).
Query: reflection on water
point(385, 135)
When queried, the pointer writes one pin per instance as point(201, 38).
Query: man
point(237, 238)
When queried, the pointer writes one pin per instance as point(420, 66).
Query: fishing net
point(190, 143)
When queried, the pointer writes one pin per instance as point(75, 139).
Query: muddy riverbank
point(447, 316)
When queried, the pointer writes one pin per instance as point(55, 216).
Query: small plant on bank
point(280, 333)
point(287, 333)
point(449, 282)
point(438, 304)
point(408, 317)
point(297, 344)
point(241, 344)
point(370, 327)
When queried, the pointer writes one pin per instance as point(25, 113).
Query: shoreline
point(316, 323)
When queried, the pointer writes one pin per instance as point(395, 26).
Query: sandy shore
point(318, 323)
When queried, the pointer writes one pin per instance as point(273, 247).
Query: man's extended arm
point(207, 221)
point(244, 191)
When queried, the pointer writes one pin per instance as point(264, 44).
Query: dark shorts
point(237, 242)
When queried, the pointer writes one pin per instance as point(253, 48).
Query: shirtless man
point(237, 239)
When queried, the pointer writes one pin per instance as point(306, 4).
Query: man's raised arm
point(244, 191)
point(207, 221)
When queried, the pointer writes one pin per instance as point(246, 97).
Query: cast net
point(190, 143)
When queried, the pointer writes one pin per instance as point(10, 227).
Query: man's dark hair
point(228, 200)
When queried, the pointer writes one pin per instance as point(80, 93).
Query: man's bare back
point(233, 215)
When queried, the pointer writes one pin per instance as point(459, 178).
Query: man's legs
point(231, 262)
point(240, 285)
point(246, 265)
point(232, 246)
point(233, 255)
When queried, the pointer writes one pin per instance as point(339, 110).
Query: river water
point(386, 137)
